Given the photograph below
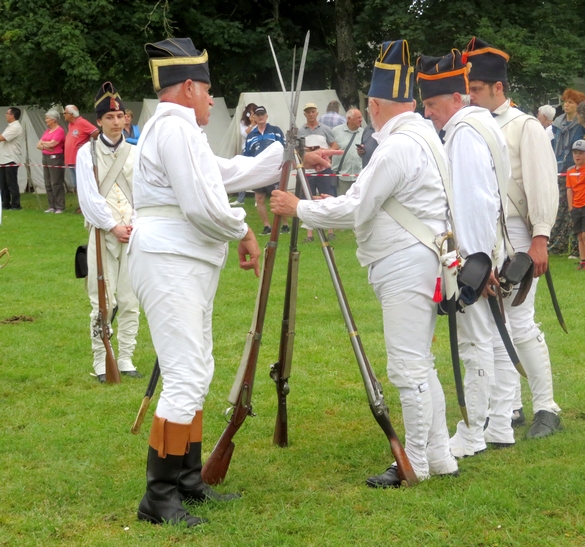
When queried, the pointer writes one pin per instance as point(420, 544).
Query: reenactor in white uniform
point(108, 208)
point(402, 270)
point(532, 207)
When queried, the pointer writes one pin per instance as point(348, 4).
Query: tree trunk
point(346, 58)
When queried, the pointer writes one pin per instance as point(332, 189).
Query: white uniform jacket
point(534, 168)
point(403, 167)
point(476, 199)
point(116, 208)
point(175, 166)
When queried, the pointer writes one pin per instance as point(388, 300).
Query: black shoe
point(101, 378)
point(330, 237)
point(17, 208)
point(267, 231)
point(161, 502)
point(191, 487)
point(132, 373)
point(545, 423)
point(499, 446)
point(518, 418)
point(388, 479)
point(5, 207)
point(285, 229)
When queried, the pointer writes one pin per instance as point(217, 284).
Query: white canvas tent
point(215, 129)
point(278, 114)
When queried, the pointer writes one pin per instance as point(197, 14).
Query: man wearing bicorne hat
point(532, 207)
point(178, 247)
point(476, 214)
point(108, 208)
point(402, 270)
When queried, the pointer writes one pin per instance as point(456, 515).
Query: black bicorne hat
point(442, 75)
point(393, 76)
point(107, 100)
point(488, 64)
point(175, 60)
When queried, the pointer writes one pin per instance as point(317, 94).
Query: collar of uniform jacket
point(396, 121)
point(173, 109)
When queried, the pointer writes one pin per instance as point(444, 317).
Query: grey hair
point(170, 90)
point(465, 99)
point(73, 110)
point(547, 111)
point(581, 110)
point(54, 114)
point(351, 112)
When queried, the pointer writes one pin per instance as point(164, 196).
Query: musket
point(103, 324)
point(553, 297)
point(216, 466)
point(150, 389)
point(280, 371)
point(373, 387)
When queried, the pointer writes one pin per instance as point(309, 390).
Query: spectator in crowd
point(348, 136)
point(258, 140)
point(332, 118)
point(52, 145)
point(80, 131)
point(546, 115)
point(567, 130)
point(9, 160)
point(247, 123)
point(576, 197)
point(368, 145)
point(317, 135)
point(131, 132)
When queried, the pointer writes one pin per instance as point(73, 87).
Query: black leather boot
point(162, 503)
point(191, 486)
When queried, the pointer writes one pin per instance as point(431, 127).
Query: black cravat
point(442, 135)
point(110, 144)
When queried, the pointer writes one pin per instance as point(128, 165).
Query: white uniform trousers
point(404, 283)
point(475, 332)
point(120, 293)
point(177, 295)
point(528, 338)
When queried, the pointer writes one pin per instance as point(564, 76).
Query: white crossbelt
point(166, 211)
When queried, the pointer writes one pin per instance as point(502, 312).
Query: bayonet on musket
point(216, 466)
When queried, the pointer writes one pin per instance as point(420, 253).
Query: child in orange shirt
point(576, 197)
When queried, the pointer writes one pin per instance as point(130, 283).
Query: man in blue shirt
point(262, 136)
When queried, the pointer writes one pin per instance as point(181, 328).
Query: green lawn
point(72, 474)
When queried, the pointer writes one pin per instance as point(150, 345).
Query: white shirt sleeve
point(475, 192)
point(198, 186)
point(539, 177)
point(246, 173)
point(362, 201)
point(93, 206)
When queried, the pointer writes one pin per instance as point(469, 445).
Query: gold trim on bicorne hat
point(393, 76)
point(156, 63)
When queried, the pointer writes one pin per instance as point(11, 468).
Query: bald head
point(354, 119)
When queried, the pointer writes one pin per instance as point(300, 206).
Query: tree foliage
point(61, 50)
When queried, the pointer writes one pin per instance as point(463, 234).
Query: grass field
point(71, 473)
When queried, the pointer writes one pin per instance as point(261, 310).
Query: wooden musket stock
point(103, 324)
